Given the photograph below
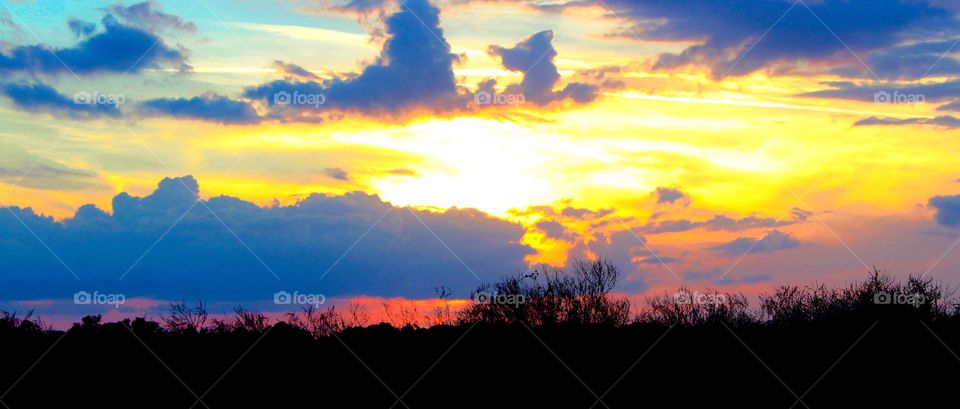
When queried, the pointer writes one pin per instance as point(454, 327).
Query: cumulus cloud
point(948, 210)
point(775, 240)
point(208, 107)
point(41, 98)
point(118, 49)
point(414, 70)
point(200, 258)
point(533, 56)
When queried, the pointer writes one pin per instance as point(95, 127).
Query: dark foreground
point(571, 343)
point(848, 365)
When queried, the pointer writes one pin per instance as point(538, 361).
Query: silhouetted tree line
point(544, 338)
point(581, 295)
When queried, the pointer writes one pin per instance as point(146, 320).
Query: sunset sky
point(383, 148)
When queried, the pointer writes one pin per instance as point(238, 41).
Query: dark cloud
point(337, 173)
point(148, 16)
point(554, 230)
point(801, 214)
point(533, 56)
point(414, 70)
point(621, 247)
point(948, 210)
point(911, 61)
point(951, 107)
point(718, 222)
point(118, 49)
point(729, 32)
point(294, 70)
point(945, 121)
point(200, 258)
point(773, 241)
point(80, 28)
point(41, 98)
point(928, 92)
point(667, 195)
point(209, 107)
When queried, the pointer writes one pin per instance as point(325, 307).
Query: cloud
point(41, 98)
point(912, 61)
point(148, 15)
point(716, 223)
point(951, 107)
point(743, 36)
point(209, 107)
point(773, 241)
point(294, 71)
point(414, 70)
point(362, 7)
point(200, 258)
point(25, 169)
point(337, 173)
point(945, 121)
point(666, 195)
point(553, 229)
point(622, 248)
point(927, 92)
point(118, 49)
point(533, 56)
point(81, 29)
point(948, 210)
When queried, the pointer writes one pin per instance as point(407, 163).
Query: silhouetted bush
point(10, 321)
point(878, 297)
point(580, 296)
point(694, 309)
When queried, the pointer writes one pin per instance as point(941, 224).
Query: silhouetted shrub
point(184, 318)
point(12, 322)
point(688, 308)
point(580, 296)
point(878, 297)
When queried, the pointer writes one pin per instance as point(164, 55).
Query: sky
point(383, 149)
